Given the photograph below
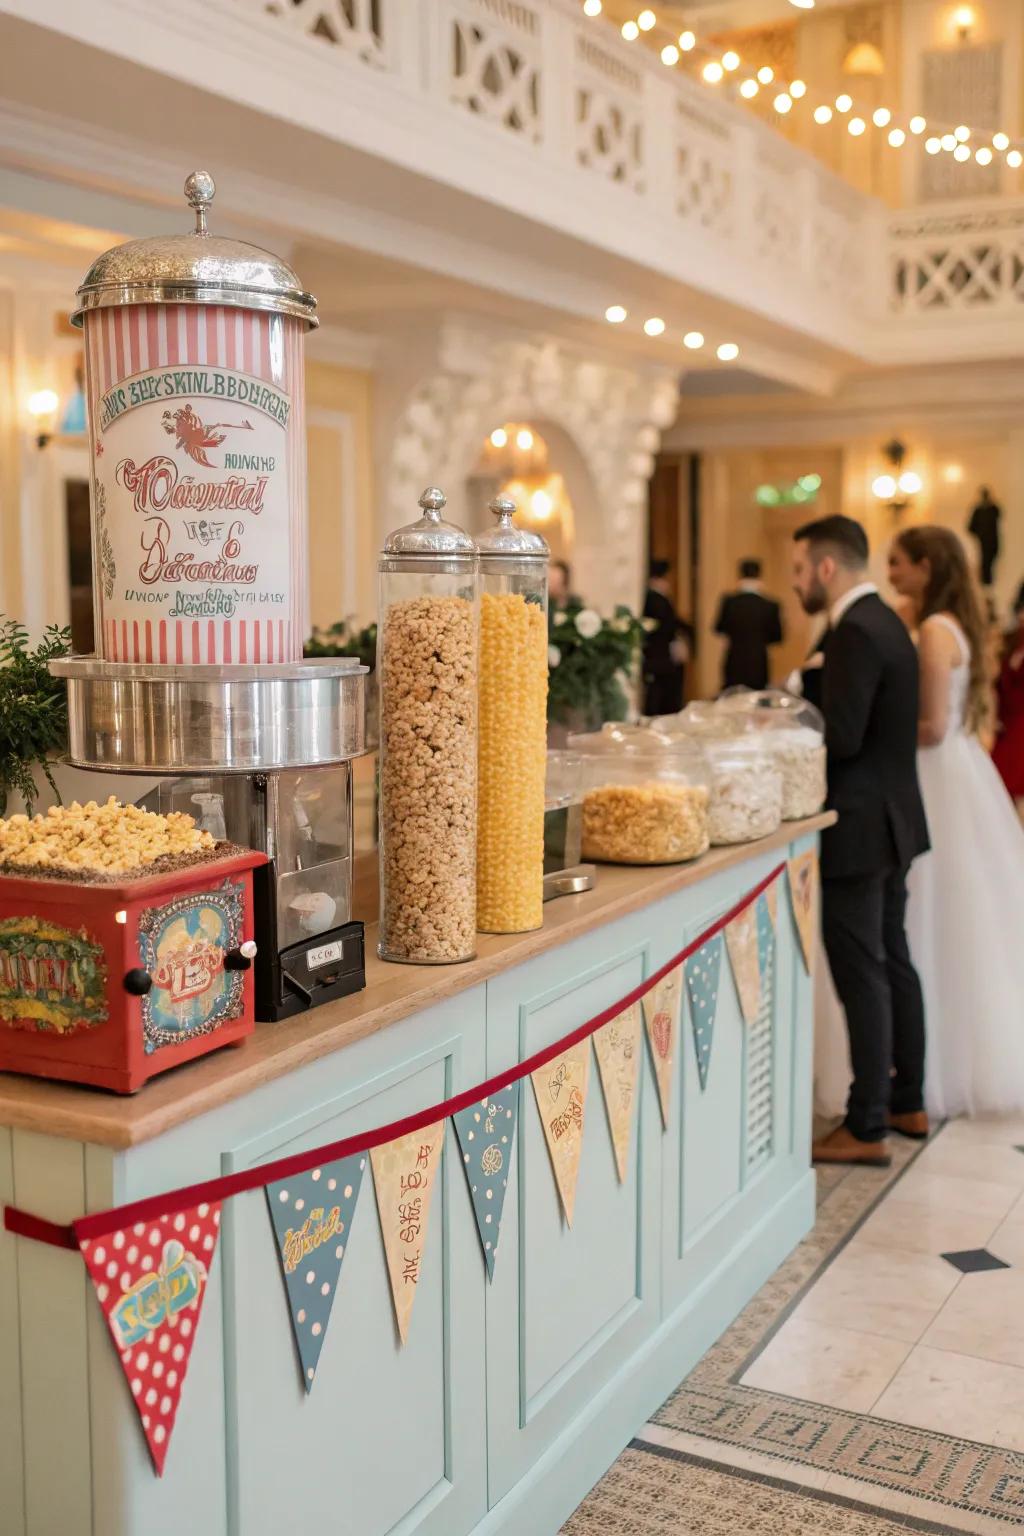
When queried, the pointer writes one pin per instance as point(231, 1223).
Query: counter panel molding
point(510, 1399)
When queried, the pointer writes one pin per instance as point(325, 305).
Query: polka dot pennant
point(662, 1006)
point(486, 1133)
point(703, 973)
point(741, 942)
point(150, 1280)
point(765, 940)
point(312, 1219)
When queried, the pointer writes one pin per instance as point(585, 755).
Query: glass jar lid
point(195, 268)
point(507, 542)
point(772, 709)
point(636, 743)
point(430, 537)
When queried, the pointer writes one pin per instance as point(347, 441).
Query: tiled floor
point(894, 1329)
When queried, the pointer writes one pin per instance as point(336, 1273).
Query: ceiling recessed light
point(728, 352)
point(694, 340)
point(615, 313)
point(654, 326)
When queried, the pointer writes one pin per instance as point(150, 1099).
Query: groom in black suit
point(869, 685)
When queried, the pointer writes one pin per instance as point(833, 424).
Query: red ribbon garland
point(102, 1222)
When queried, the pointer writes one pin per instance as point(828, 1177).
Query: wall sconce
point(42, 407)
point(963, 22)
point(899, 487)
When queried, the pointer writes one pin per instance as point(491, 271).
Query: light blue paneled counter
point(510, 1399)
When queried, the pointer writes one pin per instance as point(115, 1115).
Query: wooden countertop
point(392, 992)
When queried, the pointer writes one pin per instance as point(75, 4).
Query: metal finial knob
point(200, 188)
point(433, 502)
point(504, 509)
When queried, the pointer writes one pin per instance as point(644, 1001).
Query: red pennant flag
point(150, 1280)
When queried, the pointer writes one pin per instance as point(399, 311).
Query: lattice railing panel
point(609, 116)
point(355, 25)
point(494, 64)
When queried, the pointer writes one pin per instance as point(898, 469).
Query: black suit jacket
point(751, 623)
point(870, 704)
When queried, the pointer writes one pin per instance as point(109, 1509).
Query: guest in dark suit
point(870, 703)
point(666, 646)
point(984, 527)
point(751, 622)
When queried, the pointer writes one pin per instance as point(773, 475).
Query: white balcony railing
point(964, 260)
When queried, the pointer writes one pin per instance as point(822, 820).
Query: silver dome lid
point(430, 537)
point(196, 268)
point(507, 542)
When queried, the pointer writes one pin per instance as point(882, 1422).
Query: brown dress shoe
point(844, 1147)
point(913, 1124)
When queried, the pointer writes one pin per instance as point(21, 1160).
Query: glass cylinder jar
point(746, 790)
point(512, 756)
point(427, 675)
point(563, 812)
point(645, 796)
point(794, 732)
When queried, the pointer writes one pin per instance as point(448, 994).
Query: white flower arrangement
point(588, 623)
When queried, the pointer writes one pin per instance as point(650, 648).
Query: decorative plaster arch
point(612, 415)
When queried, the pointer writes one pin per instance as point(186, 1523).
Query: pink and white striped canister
point(197, 420)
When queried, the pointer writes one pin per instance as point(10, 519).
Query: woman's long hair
point(951, 589)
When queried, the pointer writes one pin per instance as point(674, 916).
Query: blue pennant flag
point(765, 941)
point(486, 1133)
point(702, 972)
point(312, 1215)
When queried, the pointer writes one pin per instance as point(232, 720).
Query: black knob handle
point(137, 982)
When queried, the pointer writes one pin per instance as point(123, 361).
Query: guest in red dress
point(1008, 753)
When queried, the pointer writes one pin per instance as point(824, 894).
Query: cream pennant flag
point(772, 897)
point(561, 1092)
point(404, 1173)
point(661, 1013)
point(803, 895)
point(617, 1044)
point(741, 942)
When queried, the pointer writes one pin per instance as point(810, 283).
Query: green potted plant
point(33, 711)
point(591, 661)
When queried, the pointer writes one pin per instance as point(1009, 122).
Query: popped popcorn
point(108, 839)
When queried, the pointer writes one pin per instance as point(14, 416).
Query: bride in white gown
point(965, 915)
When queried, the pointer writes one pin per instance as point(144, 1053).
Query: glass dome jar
point(428, 619)
point(645, 796)
point(746, 789)
point(794, 732)
point(512, 757)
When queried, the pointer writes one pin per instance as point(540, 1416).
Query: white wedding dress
point(965, 920)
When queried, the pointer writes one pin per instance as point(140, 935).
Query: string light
point(630, 31)
point(844, 103)
point(823, 114)
point(1015, 159)
point(918, 124)
point(961, 153)
point(499, 437)
point(1000, 141)
point(962, 134)
point(615, 314)
point(591, 7)
point(687, 41)
point(670, 54)
point(897, 138)
point(782, 102)
point(654, 326)
point(731, 60)
point(749, 89)
point(983, 155)
point(713, 72)
point(881, 117)
point(524, 439)
point(948, 142)
point(728, 352)
point(694, 340)
point(798, 89)
point(646, 20)
point(932, 146)
point(766, 74)
point(856, 126)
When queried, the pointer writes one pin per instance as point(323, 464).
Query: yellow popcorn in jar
point(511, 763)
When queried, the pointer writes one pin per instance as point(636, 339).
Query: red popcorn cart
point(111, 980)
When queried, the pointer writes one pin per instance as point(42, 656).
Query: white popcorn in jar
point(746, 794)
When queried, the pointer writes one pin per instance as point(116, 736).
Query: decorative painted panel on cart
point(182, 945)
point(377, 1407)
point(553, 1343)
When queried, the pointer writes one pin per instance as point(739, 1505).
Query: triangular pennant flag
point(765, 939)
point(741, 942)
point(150, 1280)
point(561, 1093)
point(661, 1012)
point(703, 972)
point(404, 1172)
point(803, 895)
point(311, 1215)
point(617, 1044)
point(486, 1132)
point(772, 898)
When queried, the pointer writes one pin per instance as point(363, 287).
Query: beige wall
point(342, 528)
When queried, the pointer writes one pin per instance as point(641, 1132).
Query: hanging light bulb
point(766, 74)
point(856, 126)
point(731, 59)
point(670, 54)
point(713, 72)
point(932, 146)
point(630, 31)
point(797, 89)
point(983, 155)
point(654, 326)
point(881, 117)
point(961, 153)
point(897, 138)
point(918, 124)
point(1015, 159)
point(687, 41)
point(1000, 141)
point(782, 102)
point(823, 114)
point(728, 352)
point(646, 20)
point(962, 134)
point(749, 89)
point(615, 314)
point(844, 102)
point(591, 7)
point(694, 340)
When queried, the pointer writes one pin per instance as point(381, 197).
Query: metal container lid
point(197, 268)
point(507, 542)
point(430, 538)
